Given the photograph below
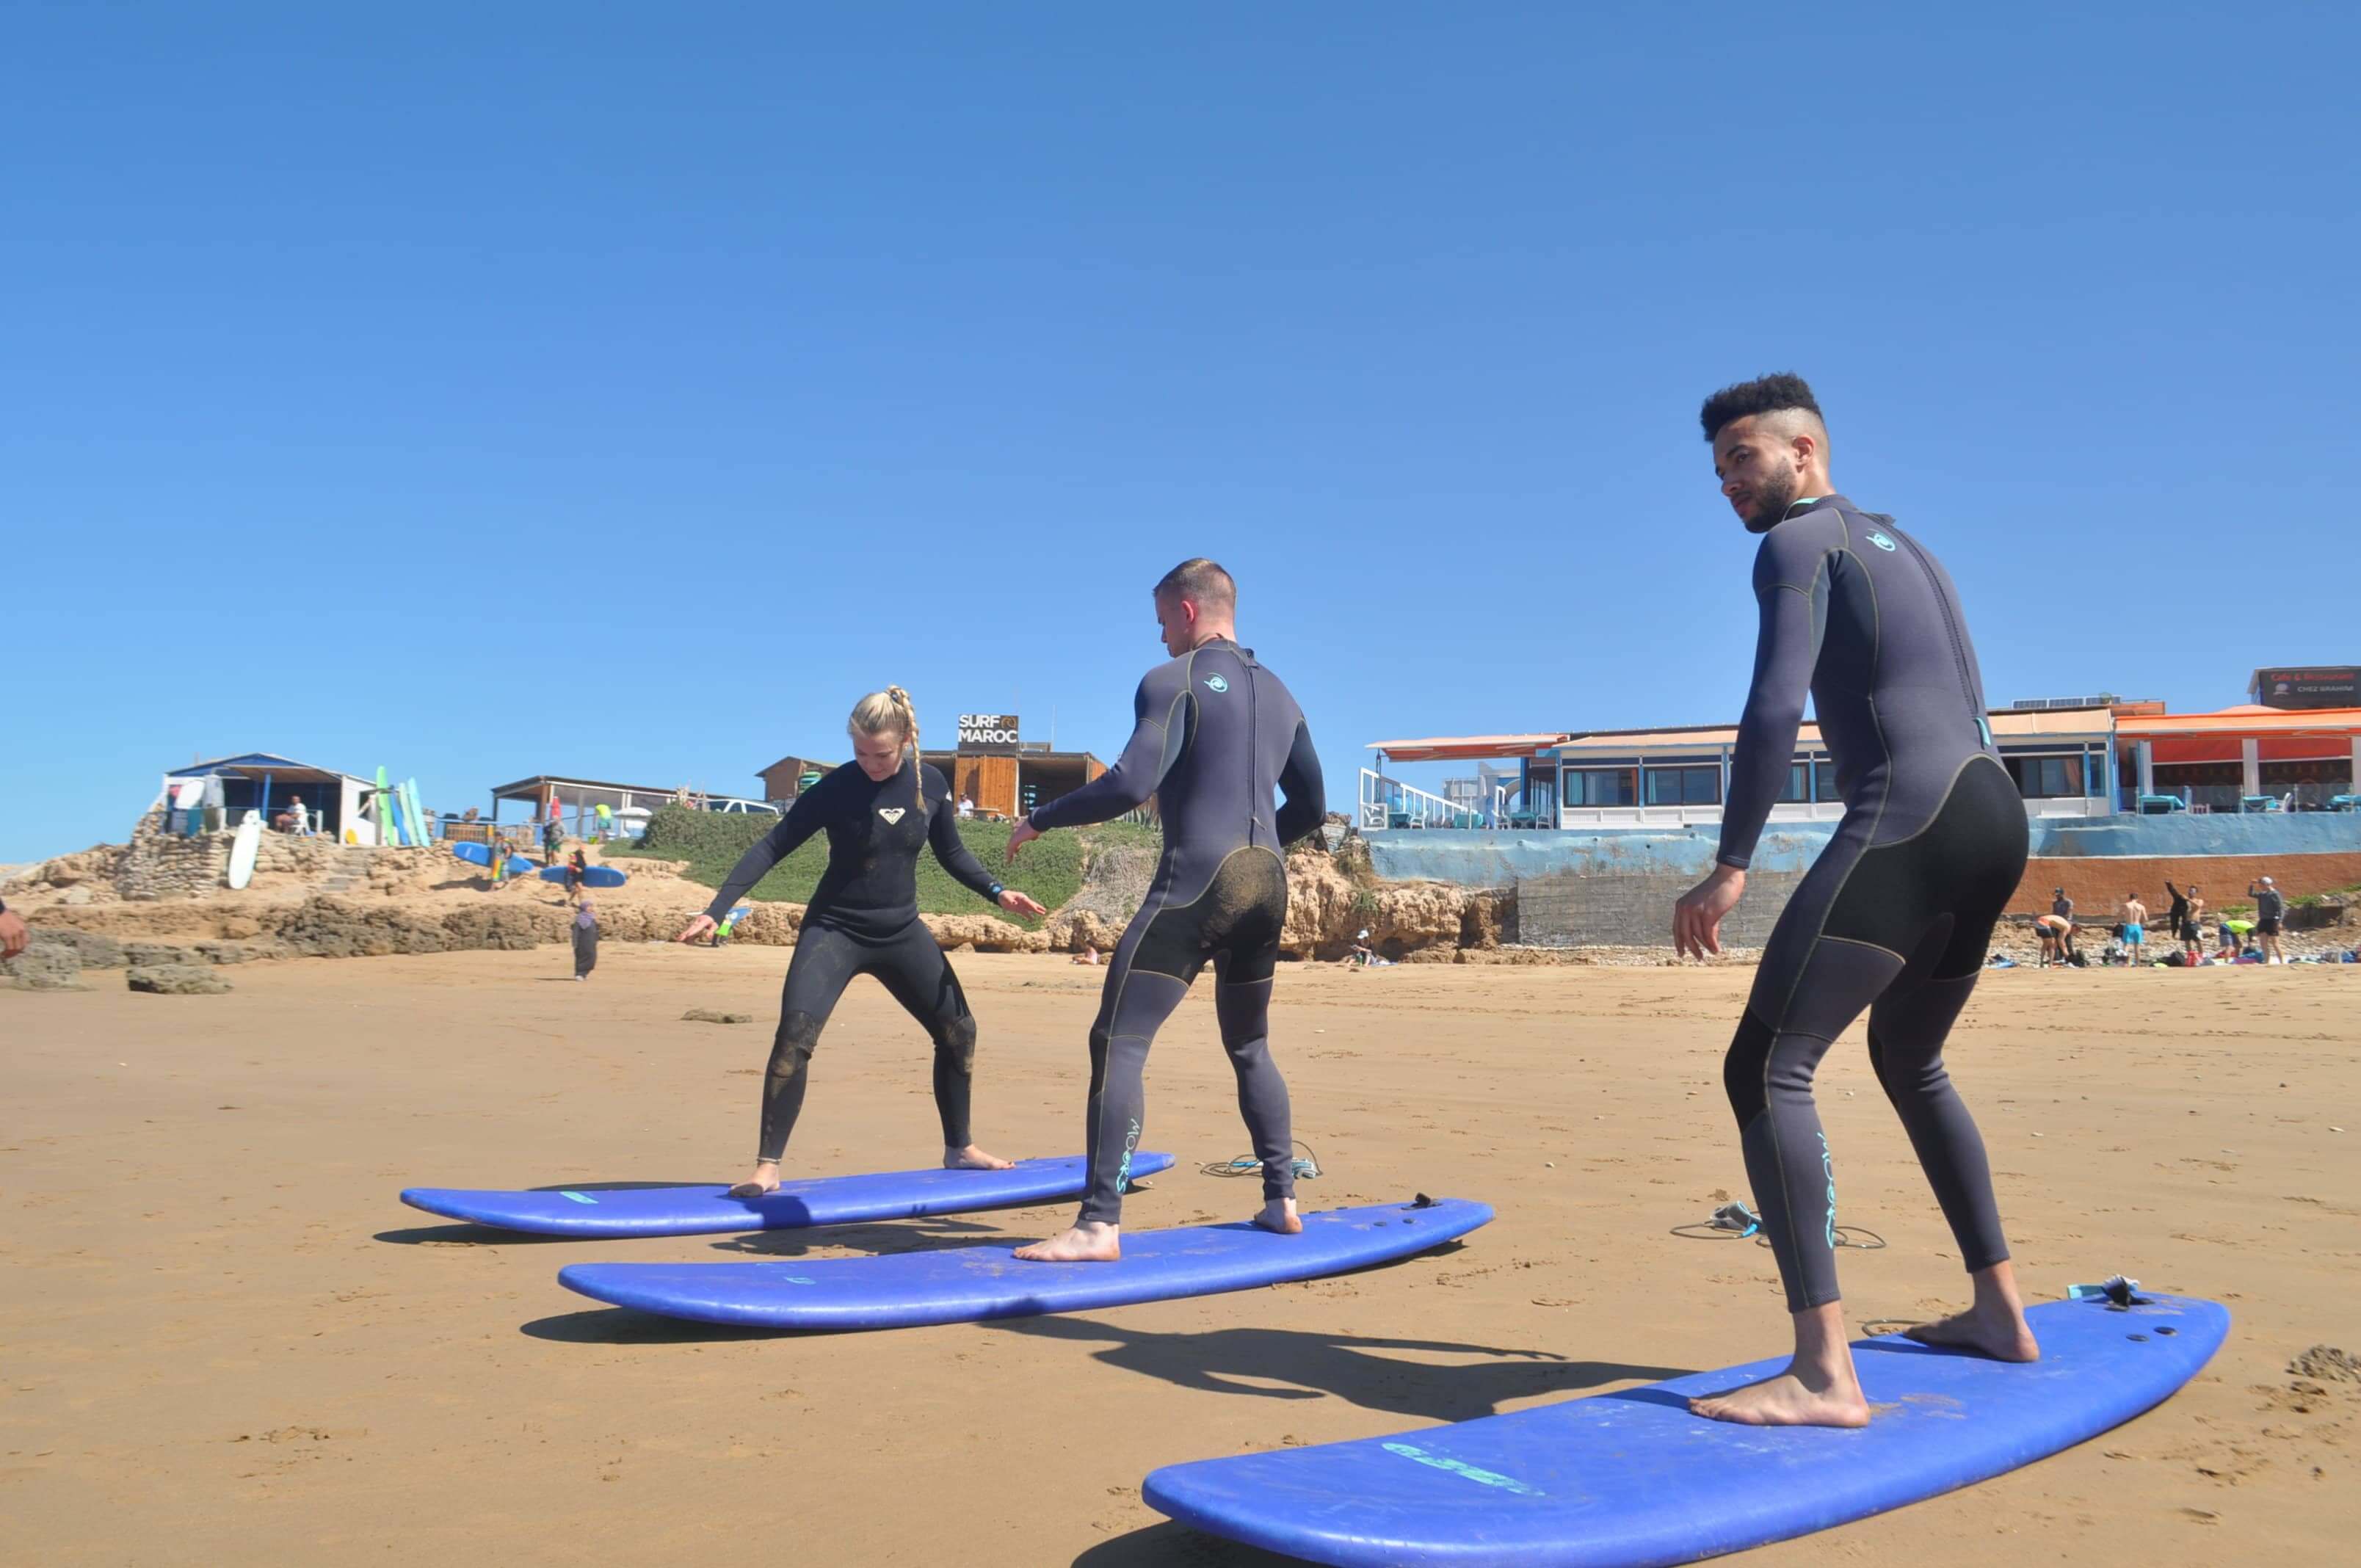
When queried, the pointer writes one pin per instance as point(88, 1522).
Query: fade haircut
point(1764, 394)
point(1203, 581)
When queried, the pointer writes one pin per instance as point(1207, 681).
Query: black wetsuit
point(2182, 930)
point(863, 919)
point(1216, 733)
point(1895, 916)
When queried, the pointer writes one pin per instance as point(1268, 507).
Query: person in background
point(586, 941)
point(2225, 939)
point(2270, 908)
point(12, 934)
point(2061, 906)
point(2054, 931)
point(299, 820)
point(722, 933)
point(577, 870)
point(2192, 928)
point(2134, 919)
point(552, 840)
point(966, 809)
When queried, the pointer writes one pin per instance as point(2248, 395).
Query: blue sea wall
point(1485, 857)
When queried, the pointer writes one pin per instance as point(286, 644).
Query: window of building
point(1799, 786)
point(1685, 787)
point(1602, 786)
point(2046, 778)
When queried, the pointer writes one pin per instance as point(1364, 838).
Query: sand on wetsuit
point(1214, 735)
point(1895, 916)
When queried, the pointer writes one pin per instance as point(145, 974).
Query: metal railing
point(1389, 803)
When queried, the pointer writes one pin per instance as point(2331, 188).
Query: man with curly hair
point(1894, 917)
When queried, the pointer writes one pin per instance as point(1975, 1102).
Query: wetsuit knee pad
point(1745, 1069)
point(791, 1049)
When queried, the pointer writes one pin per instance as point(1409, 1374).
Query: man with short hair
point(1215, 734)
point(2192, 924)
point(2270, 908)
point(1895, 916)
point(2135, 919)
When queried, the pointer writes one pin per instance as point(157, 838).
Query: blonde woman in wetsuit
point(878, 810)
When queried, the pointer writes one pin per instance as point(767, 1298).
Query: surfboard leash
point(1307, 1165)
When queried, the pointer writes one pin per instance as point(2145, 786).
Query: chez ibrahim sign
point(988, 734)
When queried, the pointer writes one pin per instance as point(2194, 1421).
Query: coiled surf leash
point(1307, 1165)
point(1734, 1221)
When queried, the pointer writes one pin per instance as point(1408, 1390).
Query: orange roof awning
point(1465, 748)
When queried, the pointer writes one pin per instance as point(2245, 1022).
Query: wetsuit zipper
point(1254, 738)
point(1951, 625)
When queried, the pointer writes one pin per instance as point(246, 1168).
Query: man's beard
point(1771, 499)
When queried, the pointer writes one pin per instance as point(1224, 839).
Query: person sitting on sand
point(1089, 955)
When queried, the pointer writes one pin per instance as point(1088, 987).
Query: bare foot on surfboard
point(1279, 1217)
point(1088, 1243)
point(1986, 1330)
point(765, 1180)
point(974, 1159)
point(1787, 1400)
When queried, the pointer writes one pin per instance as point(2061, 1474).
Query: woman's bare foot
point(1089, 1242)
point(1820, 1387)
point(1279, 1215)
point(1994, 1326)
point(974, 1159)
point(765, 1180)
point(1787, 1400)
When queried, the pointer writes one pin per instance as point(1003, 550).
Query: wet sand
point(222, 1340)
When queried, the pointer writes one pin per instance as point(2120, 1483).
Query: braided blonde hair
point(882, 713)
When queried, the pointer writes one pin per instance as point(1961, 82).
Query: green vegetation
point(1050, 868)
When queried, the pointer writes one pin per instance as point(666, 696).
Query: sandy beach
point(225, 1339)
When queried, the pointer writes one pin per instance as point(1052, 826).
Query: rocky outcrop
point(177, 980)
point(43, 965)
point(159, 865)
point(344, 928)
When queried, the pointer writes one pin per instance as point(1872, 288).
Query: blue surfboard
point(481, 855)
point(1628, 1479)
point(967, 1285)
point(822, 1200)
point(596, 876)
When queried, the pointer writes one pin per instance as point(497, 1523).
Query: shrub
point(1050, 867)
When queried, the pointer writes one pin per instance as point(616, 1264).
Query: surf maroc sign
point(988, 734)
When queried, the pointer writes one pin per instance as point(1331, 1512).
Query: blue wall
point(1488, 858)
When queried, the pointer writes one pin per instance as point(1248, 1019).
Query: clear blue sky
point(485, 390)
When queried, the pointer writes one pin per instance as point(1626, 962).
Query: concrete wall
point(1634, 909)
point(1617, 886)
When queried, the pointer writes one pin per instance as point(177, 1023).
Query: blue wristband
point(996, 891)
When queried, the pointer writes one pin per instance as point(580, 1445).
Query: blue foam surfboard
point(596, 876)
point(822, 1200)
point(481, 855)
point(1628, 1479)
point(966, 1285)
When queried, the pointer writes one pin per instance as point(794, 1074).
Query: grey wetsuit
point(1216, 733)
point(1895, 916)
